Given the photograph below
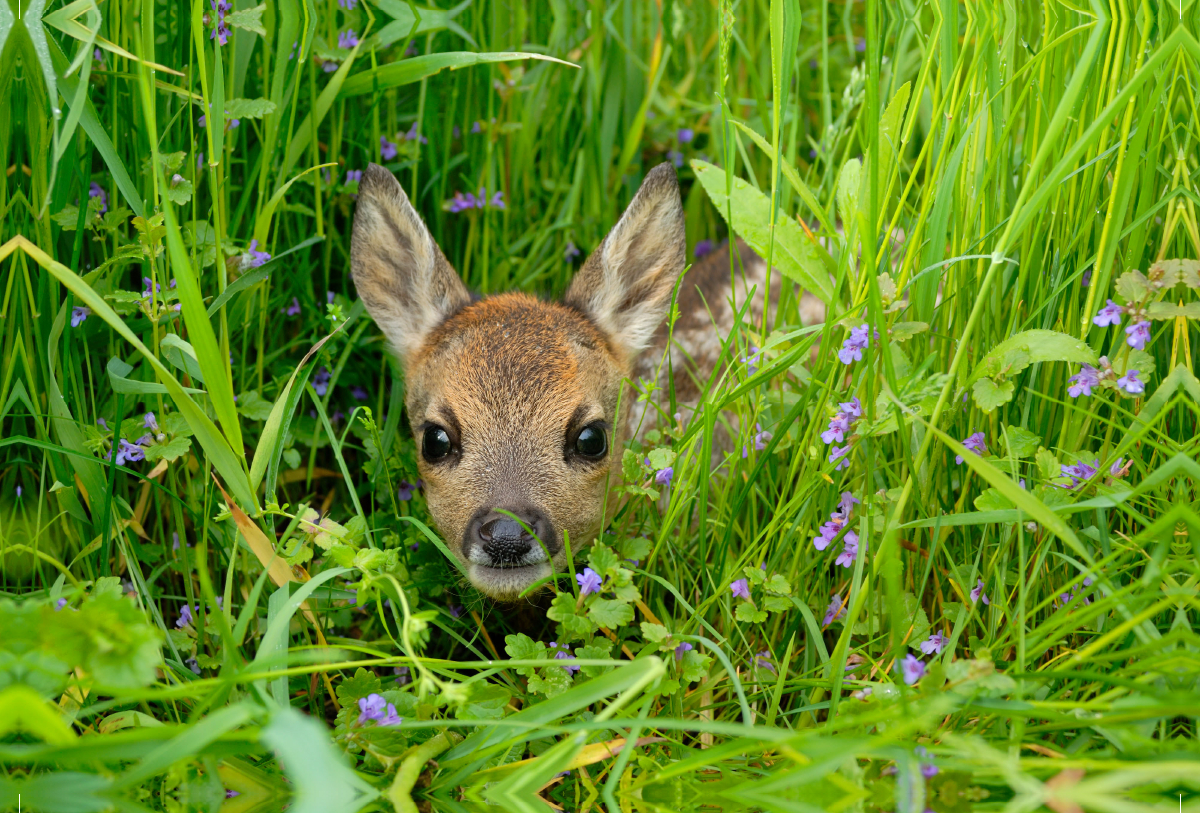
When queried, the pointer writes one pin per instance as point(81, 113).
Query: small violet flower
point(763, 661)
point(347, 39)
point(663, 476)
point(570, 252)
point(703, 248)
point(679, 650)
point(294, 308)
point(185, 617)
point(1130, 383)
point(406, 490)
point(1083, 381)
point(1110, 314)
point(977, 593)
point(253, 258)
point(740, 589)
point(359, 394)
point(976, 443)
point(387, 149)
point(320, 381)
point(911, 669)
point(371, 707)
point(1137, 335)
point(79, 314)
point(858, 340)
point(589, 581)
point(934, 644)
point(928, 769)
point(836, 610)
point(685, 135)
point(97, 191)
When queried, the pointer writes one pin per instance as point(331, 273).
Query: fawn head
point(515, 403)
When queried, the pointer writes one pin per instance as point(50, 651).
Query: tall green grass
point(973, 181)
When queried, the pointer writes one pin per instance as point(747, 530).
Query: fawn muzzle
point(495, 539)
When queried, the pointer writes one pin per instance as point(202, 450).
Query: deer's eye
point(435, 444)
point(591, 442)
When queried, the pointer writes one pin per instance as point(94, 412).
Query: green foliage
point(940, 191)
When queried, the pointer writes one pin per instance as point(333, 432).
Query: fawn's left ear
point(625, 285)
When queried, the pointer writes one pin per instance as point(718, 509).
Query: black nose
point(508, 542)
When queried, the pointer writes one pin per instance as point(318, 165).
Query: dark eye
point(435, 444)
point(591, 442)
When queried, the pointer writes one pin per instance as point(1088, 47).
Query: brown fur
point(512, 379)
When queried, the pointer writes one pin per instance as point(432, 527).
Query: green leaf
point(796, 255)
point(1030, 347)
point(1170, 310)
point(248, 19)
point(748, 612)
point(599, 648)
point(201, 240)
point(249, 108)
point(661, 458)
point(903, 331)
point(350, 690)
point(695, 665)
point(610, 613)
point(1048, 465)
point(779, 585)
point(1133, 286)
point(254, 406)
point(178, 191)
point(487, 702)
point(993, 500)
point(173, 449)
point(655, 633)
point(988, 394)
point(602, 559)
point(755, 575)
point(1019, 442)
point(849, 182)
point(574, 625)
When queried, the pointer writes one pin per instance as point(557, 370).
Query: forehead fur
point(530, 345)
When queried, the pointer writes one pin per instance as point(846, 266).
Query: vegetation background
point(972, 588)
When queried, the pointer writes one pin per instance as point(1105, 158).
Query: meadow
point(951, 563)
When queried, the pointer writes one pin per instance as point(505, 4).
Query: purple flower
point(359, 394)
point(839, 425)
point(849, 550)
point(390, 718)
point(1110, 314)
point(497, 201)
point(329, 66)
point(96, 191)
point(835, 453)
point(221, 31)
point(751, 360)
point(18, 492)
point(294, 308)
point(371, 707)
point(353, 176)
point(934, 644)
point(1079, 472)
point(194, 665)
point(150, 422)
point(589, 581)
point(928, 769)
point(329, 295)
point(406, 490)
point(79, 313)
point(320, 381)
point(387, 149)
point(762, 438)
point(1083, 381)
point(836, 610)
point(911, 669)
point(349, 5)
point(740, 589)
point(185, 617)
point(570, 252)
point(855, 343)
point(1129, 382)
point(253, 258)
point(401, 673)
point(1117, 469)
point(564, 655)
point(1137, 335)
point(1086, 280)
point(455, 610)
point(846, 503)
point(347, 39)
point(676, 158)
point(685, 135)
point(704, 247)
point(127, 451)
point(763, 661)
point(679, 650)
point(663, 476)
point(977, 593)
point(413, 134)
point(58, 605)
point(477, 127)
point(976, 443)
point(229, 793)
point(860, 45)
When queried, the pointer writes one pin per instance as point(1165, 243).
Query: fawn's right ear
point(402, 277)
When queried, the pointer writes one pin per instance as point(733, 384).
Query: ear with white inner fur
point(625, 285)
point(402, 277)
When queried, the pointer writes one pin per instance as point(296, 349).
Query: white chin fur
point(506, 583)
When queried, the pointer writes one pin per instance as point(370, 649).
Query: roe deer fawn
point(516, 403)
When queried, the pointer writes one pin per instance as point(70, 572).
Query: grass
point(983, 178)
